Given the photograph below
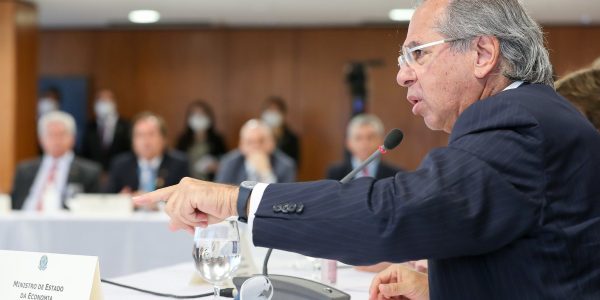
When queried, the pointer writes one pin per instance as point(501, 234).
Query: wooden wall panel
point(236, 69)
point(7, 94)
point(18, 73)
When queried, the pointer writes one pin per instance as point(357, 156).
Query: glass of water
point(217, 252)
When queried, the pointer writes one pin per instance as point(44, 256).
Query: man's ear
point(488, 55)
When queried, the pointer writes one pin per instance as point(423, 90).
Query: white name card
point(45, 276)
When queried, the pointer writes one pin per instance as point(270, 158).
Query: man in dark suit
point(150, 166)
point(256, 158)
point(109, 134)
point(510, 209)
point(364, 134)
point(43, 184)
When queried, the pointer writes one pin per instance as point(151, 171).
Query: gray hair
point(524, 56)
point(56, 116)
point(365, 119)
point(256, 123)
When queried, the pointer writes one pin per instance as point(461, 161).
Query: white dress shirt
point(108, 126)
point(40, 183)
point(148, 173)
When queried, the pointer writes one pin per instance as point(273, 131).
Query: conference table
point(123, 244)
point(140, 250)
point(177, 279)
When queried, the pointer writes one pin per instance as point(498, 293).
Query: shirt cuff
point(255, 198)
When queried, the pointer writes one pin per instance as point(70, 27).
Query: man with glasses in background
point(510, 209)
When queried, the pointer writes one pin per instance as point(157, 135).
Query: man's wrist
point(244, 193)
point(233, 199)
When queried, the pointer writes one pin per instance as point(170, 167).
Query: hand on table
point(399, 281)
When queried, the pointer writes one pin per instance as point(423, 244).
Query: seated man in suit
point(44, 183)
point(364, 134)
point(257, 158)
point(109, 134)
point(151, 165)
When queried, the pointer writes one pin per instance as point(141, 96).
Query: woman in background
point(203, 145)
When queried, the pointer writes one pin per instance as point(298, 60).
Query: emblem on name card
point(43, 263)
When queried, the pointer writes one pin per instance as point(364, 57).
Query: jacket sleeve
point(476, 195)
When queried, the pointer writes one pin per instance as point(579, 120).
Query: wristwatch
point(244, 193)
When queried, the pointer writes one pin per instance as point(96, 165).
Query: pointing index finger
point(156, 196)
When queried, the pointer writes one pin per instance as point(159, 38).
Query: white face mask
point(199, 122)
point(46, 105)
point(104, 108)
point(273, 119)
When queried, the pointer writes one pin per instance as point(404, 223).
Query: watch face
point(248, 184)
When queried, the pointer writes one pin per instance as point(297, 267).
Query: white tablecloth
point(125, 245)
point(176, 279)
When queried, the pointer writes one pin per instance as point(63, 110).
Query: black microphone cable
point(227, 293)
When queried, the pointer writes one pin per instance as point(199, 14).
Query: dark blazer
point(124, 171)
point(232, 168)
point(84, 173)
point(92, 148)
point(510, 209)
point(339, 171)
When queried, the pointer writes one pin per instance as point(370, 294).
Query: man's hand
point(399, 282)
point(193, 203)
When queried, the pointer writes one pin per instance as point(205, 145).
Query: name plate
point(45, 276)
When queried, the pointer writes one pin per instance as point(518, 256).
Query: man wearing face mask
point(274, 115)
point(201, 141)
point(49, 101)
point(109, 134)
point(257, 158)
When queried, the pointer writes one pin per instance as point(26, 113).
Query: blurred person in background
point(582, 88)
point(44, 183)
point(274, 114)
point(151, 165)
point(49, 101)
point(364, 134)
point(109, 134)
point(257, 158)
point(200, 140)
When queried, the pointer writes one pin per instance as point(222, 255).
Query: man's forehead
point(422, 26)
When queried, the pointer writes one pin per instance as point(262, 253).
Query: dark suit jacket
point(83, 172)
point(232, 168)
point(92, 143)
point(510, 209)
point(339, 171)
point(124, 171)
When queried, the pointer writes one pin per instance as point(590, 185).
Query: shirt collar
point(514, 85)
point(153, 163)
point(67, 157)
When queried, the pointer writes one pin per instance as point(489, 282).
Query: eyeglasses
point(410, 56)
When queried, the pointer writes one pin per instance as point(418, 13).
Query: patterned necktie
point(47, 184)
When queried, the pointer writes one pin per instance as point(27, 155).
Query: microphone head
point(393, 139)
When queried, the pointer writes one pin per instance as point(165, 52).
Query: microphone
point(392, 140)
point(290, 287)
